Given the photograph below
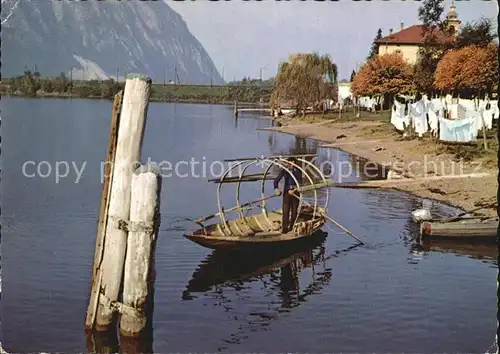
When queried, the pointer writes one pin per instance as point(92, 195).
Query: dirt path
point(379, 143)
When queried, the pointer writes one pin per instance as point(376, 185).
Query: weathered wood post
point(128, 151)
point(235, 109)
point(143, 231)
point(103, 212)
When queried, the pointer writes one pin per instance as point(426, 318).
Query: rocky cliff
point(101, 39)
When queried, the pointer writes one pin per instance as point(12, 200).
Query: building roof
point(411, 35)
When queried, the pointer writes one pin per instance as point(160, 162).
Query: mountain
point(100, 39)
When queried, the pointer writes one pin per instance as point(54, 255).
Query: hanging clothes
point(459, 130)
point(496, 110)
point(435, 111)
point(449, 99)
point(456, 111)
point(468, 104)
point(397, 115)
point(487, 115)
point(476, 116)
point(418, 117)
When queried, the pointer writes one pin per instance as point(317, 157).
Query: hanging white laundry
point(487, 115)
point(456, 111)
point(419, 119)
point(373, 103)
point(397, 115)
point(452, 110)
point(460, 130)
point(434, 111)
point(468, 104)
point(496, 111)
point(449, 99)
point(476, 116)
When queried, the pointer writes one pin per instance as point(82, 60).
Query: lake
point(391, 295)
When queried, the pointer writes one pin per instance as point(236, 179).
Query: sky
point(245, 37)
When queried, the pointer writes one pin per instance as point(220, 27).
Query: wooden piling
point(143, 231)
point(235, 109)
point(103, 212)
point(128, 151)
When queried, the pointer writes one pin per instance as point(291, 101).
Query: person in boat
point(290, 195)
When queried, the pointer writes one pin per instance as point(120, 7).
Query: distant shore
point(375, 139)
point(32, 85)
point(153, 99)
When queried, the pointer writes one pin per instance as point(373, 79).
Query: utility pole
point(164, 76)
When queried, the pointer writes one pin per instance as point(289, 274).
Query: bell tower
point(452, 19)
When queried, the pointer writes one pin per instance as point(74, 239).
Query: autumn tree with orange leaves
point(469, 70)
point(386, 75)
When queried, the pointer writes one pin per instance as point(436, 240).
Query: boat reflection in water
point(226, 278)
point(484, 251)
point(229, 268)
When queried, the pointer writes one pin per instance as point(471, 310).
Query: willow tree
point(306, 79)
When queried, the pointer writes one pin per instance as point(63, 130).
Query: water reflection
point(227, 279)
point(108, 342)
point(102, 342)
point(222, 268)
point(471, 250)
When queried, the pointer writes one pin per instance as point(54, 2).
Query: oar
point(467, 212)
point(343, 228)
point(233, 209)
point(334, 222)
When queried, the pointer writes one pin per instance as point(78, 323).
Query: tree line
point(465, 65)
point(33, 84)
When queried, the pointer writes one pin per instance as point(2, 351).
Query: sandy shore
point(378, 142)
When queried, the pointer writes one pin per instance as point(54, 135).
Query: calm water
point(388, 296)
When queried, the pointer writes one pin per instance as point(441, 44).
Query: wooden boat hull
point(249, 245)
point(257, 231)
point(466, 229)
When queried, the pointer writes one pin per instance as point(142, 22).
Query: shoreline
point(377, 142)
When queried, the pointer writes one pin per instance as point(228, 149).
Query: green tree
point(430, 13)
point(437, 40)
point(305, 80)
point(374, 48)
point(61, 83)
point(47, 86)
point(478, 33)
